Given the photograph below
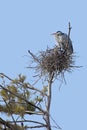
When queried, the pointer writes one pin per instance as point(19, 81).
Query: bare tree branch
point(34, 57)
point(57, 126)
point(36, 113)
point(69, 30)
point(31, 121)
point(33, 88)
point(37, 126)
point(2, 74)
point(51, 76)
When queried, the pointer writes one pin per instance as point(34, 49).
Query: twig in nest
point(33, 56)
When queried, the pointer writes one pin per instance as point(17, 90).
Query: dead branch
point(69, 30)
point(47, 119)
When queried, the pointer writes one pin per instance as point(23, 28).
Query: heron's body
point(63, 41)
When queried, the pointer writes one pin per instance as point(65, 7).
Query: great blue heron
point(63, 41)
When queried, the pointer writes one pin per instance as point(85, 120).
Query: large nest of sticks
point(52, 61)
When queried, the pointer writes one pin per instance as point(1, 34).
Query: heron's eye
point(58, 34)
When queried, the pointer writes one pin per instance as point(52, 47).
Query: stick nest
point(52, 61)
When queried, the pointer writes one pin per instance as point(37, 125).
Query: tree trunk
point(49, 102)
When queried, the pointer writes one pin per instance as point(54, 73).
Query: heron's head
point(58, 33)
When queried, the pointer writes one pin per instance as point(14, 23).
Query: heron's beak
point(53, 34)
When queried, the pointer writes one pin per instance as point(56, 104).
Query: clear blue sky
point(27, 25)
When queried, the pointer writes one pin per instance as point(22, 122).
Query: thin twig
point(34, 57)
point(2, 74)
point(33, 88)
point(36, 113)
point(31, 121)
point(37, 126)
point(57, 126)
point(69, 30)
